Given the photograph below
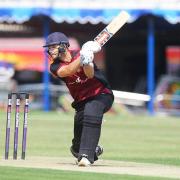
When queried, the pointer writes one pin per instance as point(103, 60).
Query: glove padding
point(92, 46)
point(86, 57)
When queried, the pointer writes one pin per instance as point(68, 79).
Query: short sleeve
point(54, 68)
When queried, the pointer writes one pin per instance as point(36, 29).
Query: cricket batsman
point(90, 90)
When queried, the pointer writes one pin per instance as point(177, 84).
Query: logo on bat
point(103, 37)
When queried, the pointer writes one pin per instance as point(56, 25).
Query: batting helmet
point(56, 38)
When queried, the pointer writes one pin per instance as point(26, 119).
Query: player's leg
point(78, 118)
point(93, 114)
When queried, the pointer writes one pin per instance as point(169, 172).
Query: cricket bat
point(112, 28)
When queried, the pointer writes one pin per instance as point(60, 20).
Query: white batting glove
point(92, 46)
point(86, 57)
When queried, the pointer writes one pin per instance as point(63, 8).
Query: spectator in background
point(7, 83)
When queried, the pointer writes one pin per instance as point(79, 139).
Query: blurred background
point(141, 61)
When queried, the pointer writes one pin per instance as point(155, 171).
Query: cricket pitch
point(101, 166)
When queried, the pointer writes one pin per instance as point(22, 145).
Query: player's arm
point(90, 46)
point(89, 70)
point(85, 59)
point(70, 69)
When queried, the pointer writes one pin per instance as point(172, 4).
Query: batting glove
point(86, 57)
point(92, 46)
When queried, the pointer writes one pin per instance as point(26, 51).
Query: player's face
point(54, 51)
point(60, 51)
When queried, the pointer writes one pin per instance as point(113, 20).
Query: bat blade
point(112, 28)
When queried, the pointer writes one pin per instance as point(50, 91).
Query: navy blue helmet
point(56, 38)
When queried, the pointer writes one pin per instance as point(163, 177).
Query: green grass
point(46, 174)
point(143, 139)
point(124, 137)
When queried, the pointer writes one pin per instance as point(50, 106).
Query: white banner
point(95, 4)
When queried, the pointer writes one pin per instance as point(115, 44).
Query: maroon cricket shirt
point(80, 87)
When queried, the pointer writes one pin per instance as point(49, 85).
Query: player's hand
point(86, 57)
point(92, 46)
